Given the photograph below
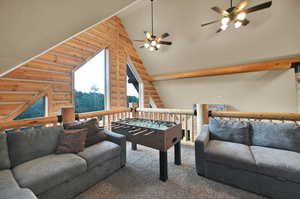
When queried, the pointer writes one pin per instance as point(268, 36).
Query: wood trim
point(245, 68)
point(256, 115)
point(23, 107)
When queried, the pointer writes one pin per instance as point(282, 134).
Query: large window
point(90, 84)
point(38, 109)
point(132, 87)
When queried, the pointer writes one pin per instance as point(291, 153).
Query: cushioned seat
point(99, 153)
point(43, 173)
point(17, 194)
point(222, 152)
point(278, 163)
point(7, 180)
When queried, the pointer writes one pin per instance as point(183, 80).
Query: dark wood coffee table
point(156, 134)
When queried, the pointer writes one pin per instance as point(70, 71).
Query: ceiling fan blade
point(220, 30)
point(212, 22)
point(165, 35)
point(165, 42)
point(139, 40)
point(245, 22)
point(142, 46)
point(259, 7)
point(220, 11)
point(240, 6)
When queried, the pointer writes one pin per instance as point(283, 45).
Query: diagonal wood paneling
point(53, 70)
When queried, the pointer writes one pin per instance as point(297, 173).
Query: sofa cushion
point(229, 130)
point(94, 134)
point(44, 173)
point(17, 194)
point(97, 154)
point(4, 157)
point(278, 163)
point(230, 154)
point(7, 180)
point(276, 135)
point(35, 143)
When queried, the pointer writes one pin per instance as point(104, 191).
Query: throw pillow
point(230, 130)
point(71, 141)
point(94, 135)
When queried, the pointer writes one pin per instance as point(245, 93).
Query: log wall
point(51, 74)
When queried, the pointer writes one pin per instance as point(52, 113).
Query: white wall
point(272, 34)
point(29, 27)
point(273, 91)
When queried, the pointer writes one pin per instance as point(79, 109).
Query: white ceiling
point(30, 27)
point(272, 33)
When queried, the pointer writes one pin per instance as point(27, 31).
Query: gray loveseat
point(261, 157)
point(30, 169)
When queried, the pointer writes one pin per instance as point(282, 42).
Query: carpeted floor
point(140, 180)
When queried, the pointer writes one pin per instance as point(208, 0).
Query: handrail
point(27, 122)
point(102, 113)
point(256, 115)
point(164, 110)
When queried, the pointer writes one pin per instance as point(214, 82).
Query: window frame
point(141, 84)
point(106, 79)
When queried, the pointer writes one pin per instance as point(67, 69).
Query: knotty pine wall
point(51, 74)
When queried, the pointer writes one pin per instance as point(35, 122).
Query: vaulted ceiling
point(272, 34)
point(28, 28)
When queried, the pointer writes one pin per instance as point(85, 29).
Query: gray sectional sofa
point(30, 169)
point(261, 157)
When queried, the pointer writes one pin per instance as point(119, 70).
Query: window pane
point(90, 85)
point(132, 88)
point(34, 111)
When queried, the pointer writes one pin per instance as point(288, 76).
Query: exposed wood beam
point(262, 66)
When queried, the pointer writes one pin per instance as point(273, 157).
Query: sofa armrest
point(120, 140)
point(201, 143)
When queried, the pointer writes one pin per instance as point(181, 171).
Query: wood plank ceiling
point(51, 74)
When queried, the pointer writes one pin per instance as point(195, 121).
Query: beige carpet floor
point(140, 180)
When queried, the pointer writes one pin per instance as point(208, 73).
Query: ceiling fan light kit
point(236, 14)
point(152, 42)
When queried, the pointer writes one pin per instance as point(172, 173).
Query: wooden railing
point(106, 117)
point(29, 123)
point(184, 116)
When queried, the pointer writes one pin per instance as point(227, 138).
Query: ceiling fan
point(236, 14)
point(153, 42)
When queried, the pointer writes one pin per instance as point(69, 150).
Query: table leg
point(177, 152)
point(133, 146)
point(163, 165)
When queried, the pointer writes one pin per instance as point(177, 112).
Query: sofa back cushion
point(34, 143)
point(229, 130)
point(276, 135)
point(4, 157)
point(94, 135)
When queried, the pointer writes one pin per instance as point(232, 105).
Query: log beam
point(283, 64)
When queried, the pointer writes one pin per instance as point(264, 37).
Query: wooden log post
point(204, 114)
point(68, 114)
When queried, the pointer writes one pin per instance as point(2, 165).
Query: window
point(132, 87)
point(90, 85)
point(38, 109)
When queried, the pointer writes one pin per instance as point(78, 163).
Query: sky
point(92, 74)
